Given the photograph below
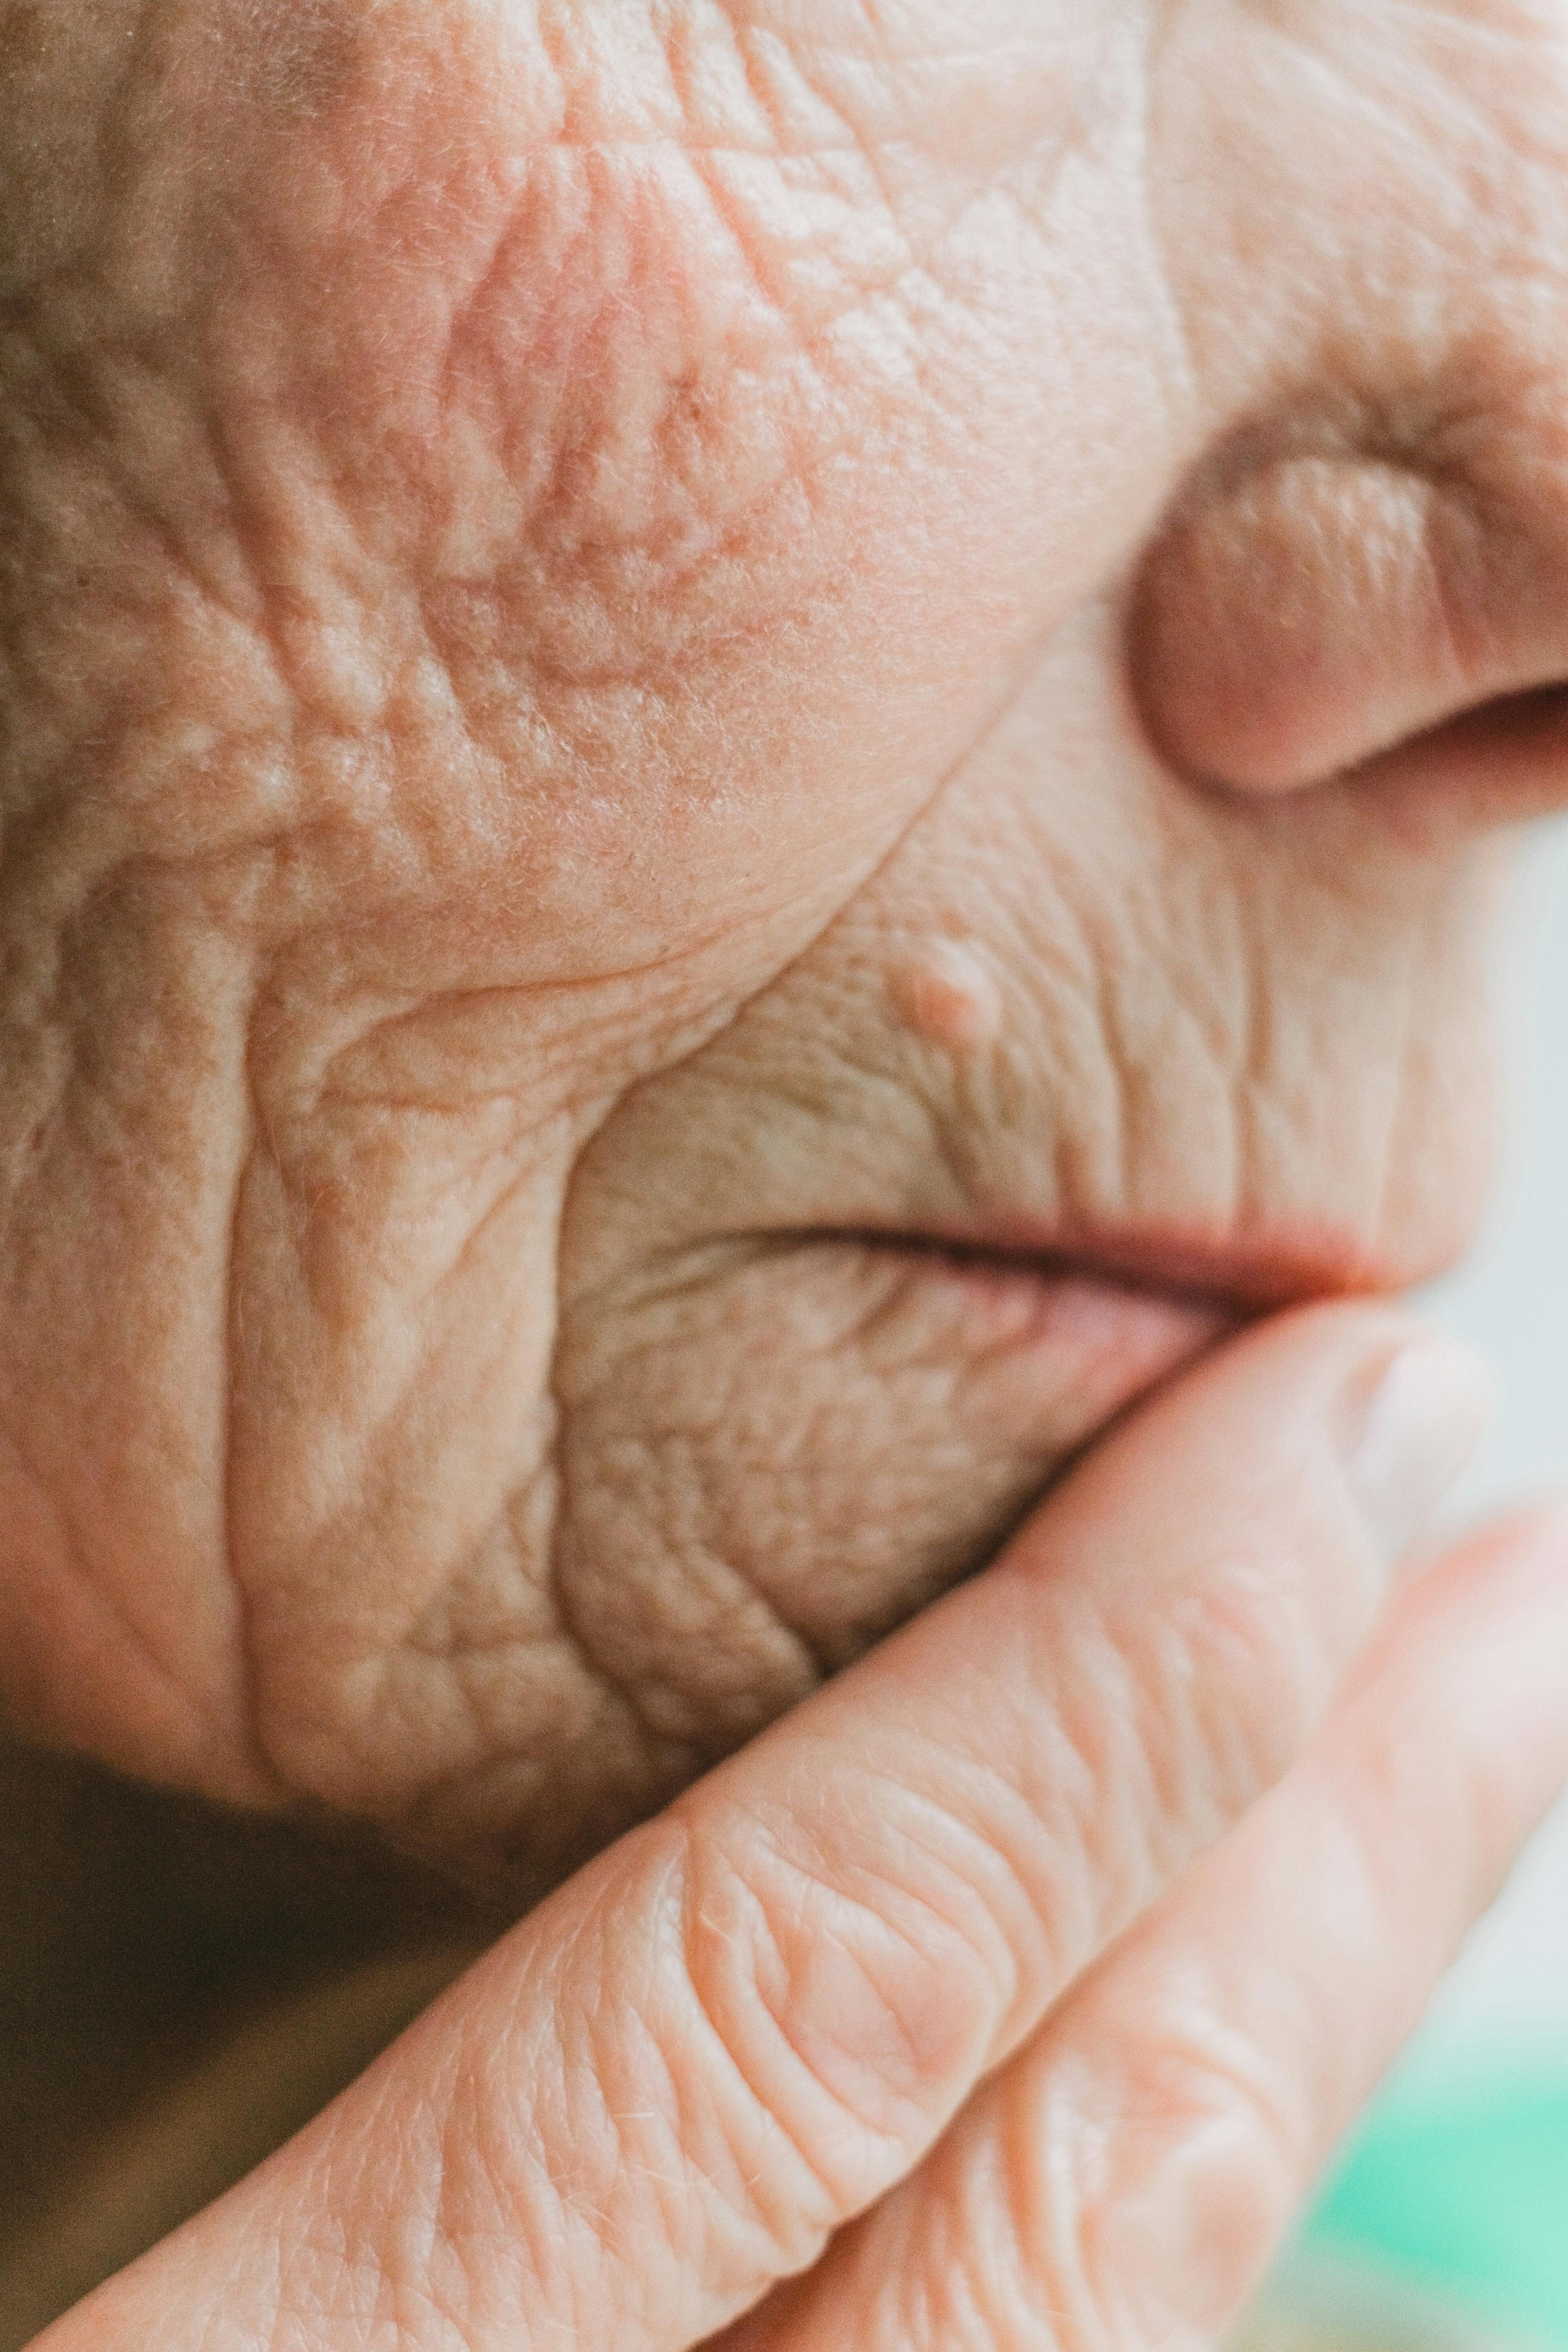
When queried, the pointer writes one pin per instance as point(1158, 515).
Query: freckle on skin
point(947, 996)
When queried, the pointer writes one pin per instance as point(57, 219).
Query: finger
point(1125, 2182)
point(673, 2083)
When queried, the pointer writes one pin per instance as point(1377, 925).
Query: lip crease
point(1231, 1275)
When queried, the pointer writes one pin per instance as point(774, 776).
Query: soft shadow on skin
point(183, 1988)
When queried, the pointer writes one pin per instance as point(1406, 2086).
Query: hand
point(977, 2004)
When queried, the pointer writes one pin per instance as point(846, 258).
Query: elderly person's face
point(749, 748)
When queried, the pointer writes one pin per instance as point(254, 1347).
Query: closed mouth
point(1232, 1278)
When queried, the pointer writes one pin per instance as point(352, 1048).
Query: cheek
point(695, 505)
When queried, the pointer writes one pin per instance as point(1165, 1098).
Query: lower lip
point(1092, 1345)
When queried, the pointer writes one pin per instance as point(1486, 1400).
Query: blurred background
point(1446, 2221)
point(1511, 1299)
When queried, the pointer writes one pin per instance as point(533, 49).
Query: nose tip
point(1307, 613)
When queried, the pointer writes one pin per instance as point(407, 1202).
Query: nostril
point(1533, 720)
point(1503, 760)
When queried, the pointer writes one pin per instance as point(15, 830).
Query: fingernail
point(1418, 1434)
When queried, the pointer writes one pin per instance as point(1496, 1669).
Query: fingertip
point(1419, 1429)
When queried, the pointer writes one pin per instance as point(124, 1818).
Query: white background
point(1511, 1299)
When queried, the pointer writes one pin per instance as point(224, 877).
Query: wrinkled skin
point(649, 650)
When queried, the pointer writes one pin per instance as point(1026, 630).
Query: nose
point(1367, 593)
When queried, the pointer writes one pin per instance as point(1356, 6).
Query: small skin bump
point(948, 997)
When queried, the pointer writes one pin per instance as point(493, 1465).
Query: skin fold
point(685, 687)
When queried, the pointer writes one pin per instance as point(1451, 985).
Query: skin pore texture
point(748, 753)
point(660, 670)
point(652, 658)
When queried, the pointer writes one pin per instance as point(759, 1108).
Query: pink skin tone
point(752, 754)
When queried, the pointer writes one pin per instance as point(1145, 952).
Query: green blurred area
point(1457, 2181)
